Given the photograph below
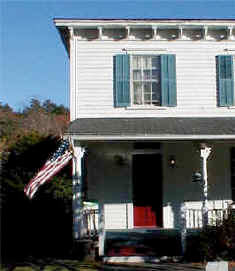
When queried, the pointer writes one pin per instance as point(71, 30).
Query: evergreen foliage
point(41, 226)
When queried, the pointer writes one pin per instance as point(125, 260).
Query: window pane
point(137, 62)
point(155, 75)
point(147, 63)
point(147, 98)
point(147, 75)
point(156, 62)
point(136, 74)
point(156, 93)
point(137, 93)
point(147, 87)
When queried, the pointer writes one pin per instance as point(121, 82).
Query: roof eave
point(64, 35)
point(163, 137)
point(72, 21)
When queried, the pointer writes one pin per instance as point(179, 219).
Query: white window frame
point(132, 104)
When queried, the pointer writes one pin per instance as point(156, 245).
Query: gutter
point(148, 137)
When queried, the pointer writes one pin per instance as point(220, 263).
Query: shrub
point(213, 242)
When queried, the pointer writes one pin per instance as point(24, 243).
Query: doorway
point(147, 190)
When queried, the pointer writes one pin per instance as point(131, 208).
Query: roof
point(56, 20)
point(64, 24)
point(152, 128)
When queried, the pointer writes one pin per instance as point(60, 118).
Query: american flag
point(52, 166)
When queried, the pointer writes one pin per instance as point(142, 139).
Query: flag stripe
point(48, 169)
point(51, 171)
point(46, 177)
point(52, 166)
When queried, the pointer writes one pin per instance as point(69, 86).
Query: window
point(225, 80)
point(144, 80)
point(145, 71)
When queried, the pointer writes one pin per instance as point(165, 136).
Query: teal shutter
point(121, 80)
point(168, 80)
point(225, 80)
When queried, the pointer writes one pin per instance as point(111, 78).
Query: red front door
point(147, 190)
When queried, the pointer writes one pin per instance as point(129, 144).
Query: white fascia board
point(150, 137)
point(157, 22)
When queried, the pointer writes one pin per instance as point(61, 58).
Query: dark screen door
point(147, 190)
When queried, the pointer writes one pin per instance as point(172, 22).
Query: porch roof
point(163, 128)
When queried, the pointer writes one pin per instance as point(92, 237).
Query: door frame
point(146, 152)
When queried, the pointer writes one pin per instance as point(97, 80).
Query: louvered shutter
point(225, 80)
point(121, 80)
point(168, 80)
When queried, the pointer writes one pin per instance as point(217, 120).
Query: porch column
point(77, 192)
point(205, 152)
point(183, 227)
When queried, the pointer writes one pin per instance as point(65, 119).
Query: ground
point(52, 265)
point(75, 265)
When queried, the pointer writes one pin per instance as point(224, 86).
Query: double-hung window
point(144, 80)
point(145, 72)
point(225, 80)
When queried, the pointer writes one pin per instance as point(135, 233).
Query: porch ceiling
point(152, 128)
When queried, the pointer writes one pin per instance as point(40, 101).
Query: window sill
point(144, 107)
point(227, 107)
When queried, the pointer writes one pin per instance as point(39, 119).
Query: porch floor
point(155, 242)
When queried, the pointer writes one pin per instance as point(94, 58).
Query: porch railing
point(90, 221)
point(193, 219)
point(215, 217)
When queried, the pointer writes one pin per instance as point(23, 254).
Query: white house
point(152, 103)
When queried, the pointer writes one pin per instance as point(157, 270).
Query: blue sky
point(33, 61)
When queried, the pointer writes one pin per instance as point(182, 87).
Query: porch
point(191, 219)
point(143, 184)
point(139, 243)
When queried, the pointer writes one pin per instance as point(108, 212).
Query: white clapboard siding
point(118, 216)
point(195, 74)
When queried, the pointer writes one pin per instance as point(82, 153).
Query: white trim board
point(149, 137)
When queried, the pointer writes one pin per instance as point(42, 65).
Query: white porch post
point(101, 230)
point(205, 152)
point(77, 192)
point(183, 226)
